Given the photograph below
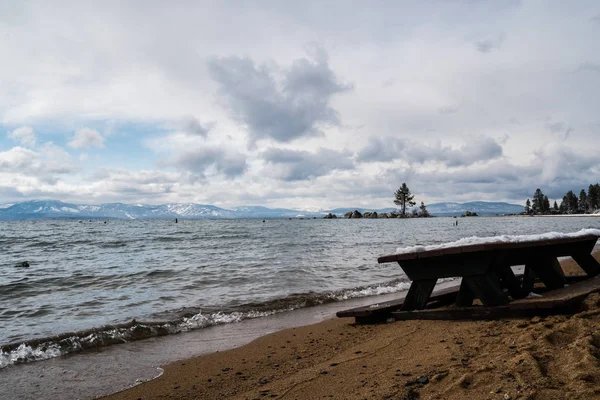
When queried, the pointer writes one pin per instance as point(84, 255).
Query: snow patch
point(473, 240)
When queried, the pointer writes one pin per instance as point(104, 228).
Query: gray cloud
point(487, 45)
point(192, 126)
point(294, 165)
point(293, 105)
point(448, 110)
point(588, 67)
point(477, 150)
point(204, 160)
point(380, 150)
point(560, 128)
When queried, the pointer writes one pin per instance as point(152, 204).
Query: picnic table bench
point(486, 271)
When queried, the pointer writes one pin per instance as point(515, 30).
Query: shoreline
point(547, 358)
point(99, 372)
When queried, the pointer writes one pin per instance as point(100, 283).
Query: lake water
point(197, 273)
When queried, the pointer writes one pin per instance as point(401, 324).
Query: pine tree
point(555, 206)
point(571, 202)
point(527, 207)
point(583, 204)
point(537, 205)
point(564, 205)
point(593, 197)
point(424, 212)
point(404, 198)
point(546, 204)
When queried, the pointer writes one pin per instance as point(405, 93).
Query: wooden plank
point(396, 257)
point(448, 266)
point(510, 310)
point(587, 263)
point(418, 295)
point(472, 248)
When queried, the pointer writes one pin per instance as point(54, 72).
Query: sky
point(297, 104)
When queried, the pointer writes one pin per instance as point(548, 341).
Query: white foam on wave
point(25, 353)
point(202, 320)
point(473, 240)
point(113, 335)
point(372, 291)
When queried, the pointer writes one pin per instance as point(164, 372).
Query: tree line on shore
point(403, 198)
point(586, 203)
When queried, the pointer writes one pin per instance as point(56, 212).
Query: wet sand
point(547, 358)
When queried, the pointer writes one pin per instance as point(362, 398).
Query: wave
point(185, 320)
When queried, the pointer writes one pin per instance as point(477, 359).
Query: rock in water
point(23, 264)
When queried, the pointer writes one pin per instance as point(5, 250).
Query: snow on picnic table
point(473, 240)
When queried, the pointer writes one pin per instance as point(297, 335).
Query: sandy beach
point(554, 357)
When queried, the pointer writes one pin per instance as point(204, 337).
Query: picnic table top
point(471, 245)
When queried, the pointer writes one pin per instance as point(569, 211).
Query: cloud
point(476, 150)
point(489, 44)
point(448, 110)
point(560, 128)
point(279, 103)
point(46, 164)
point(24, 135)
point(210, 160)
point(192, 126)
point(295, 165)
point(86, 138)
point(381, 150)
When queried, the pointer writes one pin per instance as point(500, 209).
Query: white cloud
point(24, 135)
point(86, 138)
point(47, 164)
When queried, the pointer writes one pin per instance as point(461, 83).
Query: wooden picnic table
point(486, 271)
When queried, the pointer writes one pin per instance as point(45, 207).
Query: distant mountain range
point(53, 209)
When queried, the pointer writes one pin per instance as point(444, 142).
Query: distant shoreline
point(557, 215)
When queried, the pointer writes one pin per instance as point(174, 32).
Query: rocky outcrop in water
point(353, 214)
point(370, 214)
point(330, 216)
point(23, 264)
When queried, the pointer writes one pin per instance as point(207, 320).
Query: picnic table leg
point(465, 295)
point(511, 282)
point(587, 263)
point(487, 289)
point(528, 280)
point(418, 294)
point(549, 271)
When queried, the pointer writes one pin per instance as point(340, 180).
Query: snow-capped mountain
point(480, 207)
point(53, 209)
